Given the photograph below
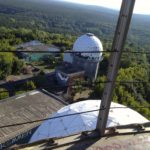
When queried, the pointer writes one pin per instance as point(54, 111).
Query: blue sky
point(141, 6)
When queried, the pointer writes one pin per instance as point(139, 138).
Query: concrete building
point(90, 54)
point(35, 46)
point(85, 57)
point(67, 72)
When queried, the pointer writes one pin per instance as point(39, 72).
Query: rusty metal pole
point(118, 44)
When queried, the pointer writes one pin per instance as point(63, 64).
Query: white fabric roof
point(70, 125)
point(89, 42)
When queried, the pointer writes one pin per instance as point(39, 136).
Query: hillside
point(63, 17)
point(59, 23)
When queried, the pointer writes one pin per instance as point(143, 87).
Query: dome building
point(89, 43)
point(90, 54)
point(83, 62)
point(80, 122)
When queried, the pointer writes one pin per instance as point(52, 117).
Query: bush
point(3, 93)
point(29, 85)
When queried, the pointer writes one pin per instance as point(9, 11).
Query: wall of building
point(68, 58)
point(90, 66)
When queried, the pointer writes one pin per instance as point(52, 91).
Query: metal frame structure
point(118, 44)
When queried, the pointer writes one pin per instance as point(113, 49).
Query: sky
point(141, 6)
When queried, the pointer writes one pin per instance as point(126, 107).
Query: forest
point(60, 24)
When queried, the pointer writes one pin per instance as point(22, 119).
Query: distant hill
point(26, 20)
point(64, 17)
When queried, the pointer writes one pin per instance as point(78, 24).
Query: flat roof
point(68, 68)
point(40, 47)
point(30, 106)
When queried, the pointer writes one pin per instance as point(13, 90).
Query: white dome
point(89, 42)
point(70, 125)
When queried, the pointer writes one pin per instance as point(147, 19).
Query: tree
point(3, 93)
point(99, 87)
point(29, 85)
point(6, 62)
point(17, 65)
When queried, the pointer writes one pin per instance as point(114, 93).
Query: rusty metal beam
point(118, 44)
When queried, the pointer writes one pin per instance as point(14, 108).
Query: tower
point(90, 54)
point(84, 61)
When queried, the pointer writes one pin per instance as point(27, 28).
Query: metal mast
point(118, 44)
